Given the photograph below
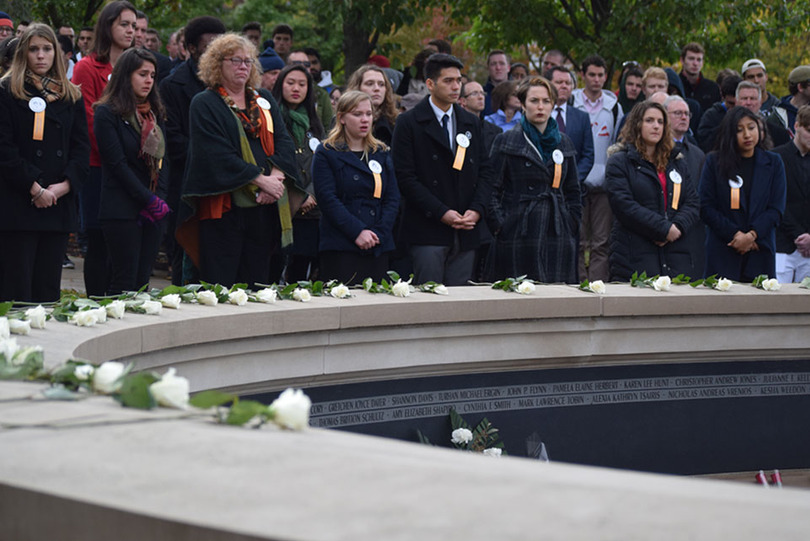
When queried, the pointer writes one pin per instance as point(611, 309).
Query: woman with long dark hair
point(742, 199)
point(129, 124)
point(43, 160)
point(373, 81)
point(295, 93)
point(358, 195)
point(112, 35)
point(653, 199)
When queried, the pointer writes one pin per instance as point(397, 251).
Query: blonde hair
point(347, 103)
point(654, 73)
point(210, 67)
point(15, 77)
point(388, 108)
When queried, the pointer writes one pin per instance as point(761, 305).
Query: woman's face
point(235, 72)
point(294, 88)
point(373, 84)
point(518, 74)
point(747, 136)
point(40, 55)
point(538, 106)
point(512, 103)
point(123, 29)
point(652, 126)
point(357, 122)
point(143, 79)
point(334, 97)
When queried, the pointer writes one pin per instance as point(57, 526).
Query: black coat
point(124, 176)
point(64, 152)
point(423, 161)
point(640, 218)
point(709, 124)
point(796, 220)
point(535, 224)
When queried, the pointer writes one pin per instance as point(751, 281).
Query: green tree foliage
point(643, 30)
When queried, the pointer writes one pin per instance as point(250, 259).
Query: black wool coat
point(125, 178)
point(535, 225)
point(641, 218)
point(423, 161)
point(64, 152)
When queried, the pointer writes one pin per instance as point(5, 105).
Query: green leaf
point(135, 393)
point(211, 399)
point(456, 420)
point(422, 438)
point(62, 393)
point(681, 279)
point(244, 410)
point(805, 283)
point(394, 276)
point(5, 307)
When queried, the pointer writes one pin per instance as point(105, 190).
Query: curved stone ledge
point(92, 470)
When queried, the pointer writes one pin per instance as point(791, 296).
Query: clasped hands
point(466, 221)
point(50, 195)
point(271, 187)
point(743, 243)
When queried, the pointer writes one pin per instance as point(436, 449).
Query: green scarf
point(545, 142)
point(299, 123)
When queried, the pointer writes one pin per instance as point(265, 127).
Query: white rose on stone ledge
point(662, 283)
point(401, 289)
point(340, 291)
point(723, 284)
point(493, 451)
point(152, 308)
point(84, 318)
point(771, 284)
point(5, 331)
point(208, 298)
point(19, 326)
point(9, 348)
point(461, 436)
point(101, 314)
point(597, 286)
point(441, 289)
point(171, 391)
point(172, 300)
point(525, 288)
point(267, 295)
point(105, 377)
point(116, 309)
point(238, 297)
point(291, 409)
point(302, 295)
point(36, 316)
point(83, 372)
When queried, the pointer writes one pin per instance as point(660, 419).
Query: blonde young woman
point(44, 154)
point(373, 81)
point(357, 191)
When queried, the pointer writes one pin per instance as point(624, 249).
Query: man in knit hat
point(271, 64)
point(6, 26)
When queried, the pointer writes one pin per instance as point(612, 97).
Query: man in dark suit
point(164, 63)
point(571, 121)
point(444, 175)
point(177, 91)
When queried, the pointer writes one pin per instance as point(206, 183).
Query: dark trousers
point(132, 248)
point(352, 268)
point(31, 265)
point(96, 265)
point(237, 247)
point(447, 265)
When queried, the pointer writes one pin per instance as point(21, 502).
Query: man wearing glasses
point(6, 26)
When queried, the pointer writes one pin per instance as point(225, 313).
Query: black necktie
point(446, 126)
point(560, 121)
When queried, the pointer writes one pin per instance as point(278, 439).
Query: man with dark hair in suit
point(444, 175)
point(571, 121)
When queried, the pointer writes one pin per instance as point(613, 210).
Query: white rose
point(662, 283)
point(171, 391)
point(21, 357)
point(461, 436)
point(105, 376)
point(83, 372)
point(267, 295)
point(340, 291)
point(101, 314)
point(597, 286)
point(441, 289)
point(19, 326)
point(209, 298)
point(723, 284)
point(5, 331)
point(771, 284)
point(525, 288)
point(84, 318)
point(493, 451)
point(291, 409)
point(152, 308)
point(9, 348)
point(116, 309)
point(302, 295)
point(401, 289)
point(171, 300)
point(36, 316)
point(238, 297)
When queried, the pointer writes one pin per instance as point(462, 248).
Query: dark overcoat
point(423, 161)
point(762, 213)
point(641, 217)
point(534, 224)
point(63, 152)
point(344, 189)
point(124, 176)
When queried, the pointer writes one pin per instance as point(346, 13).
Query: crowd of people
point(249, 164)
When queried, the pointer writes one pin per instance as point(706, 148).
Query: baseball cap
point(752, 63)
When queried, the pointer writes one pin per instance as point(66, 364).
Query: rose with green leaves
point(107, 377)
point(172, 300)
point(291, 409)
point(171, 391)
point(238, 297)
point(36, 317)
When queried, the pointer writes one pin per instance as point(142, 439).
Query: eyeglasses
point(681, 113)
point(475, 93)
point(236, 61)
point(302, 63)
point(6, 30)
